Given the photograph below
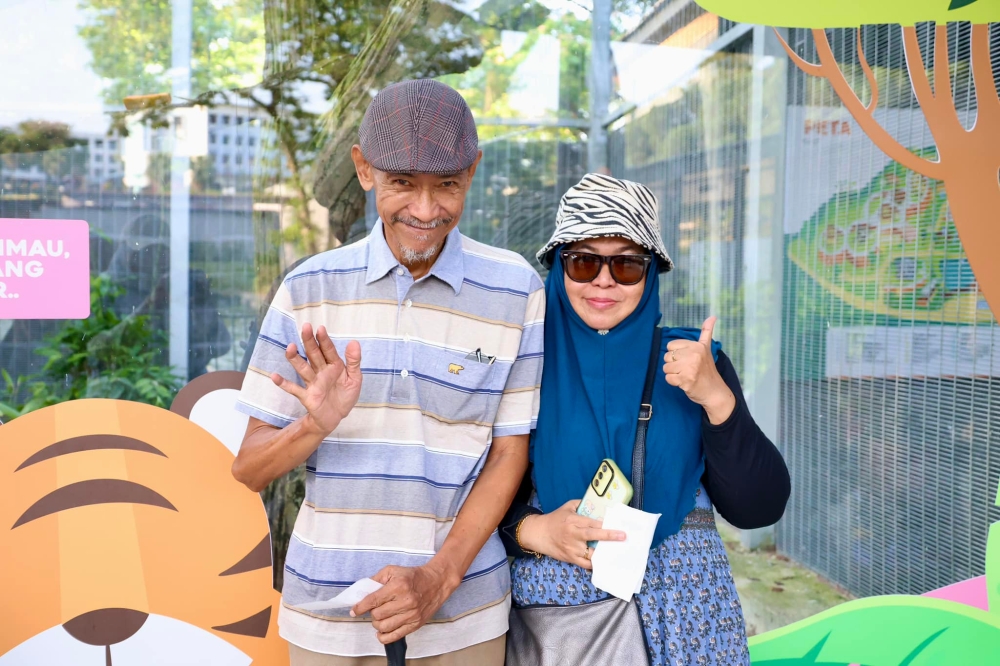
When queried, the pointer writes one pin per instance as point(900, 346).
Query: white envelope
point(619, 566)
point(345, 599)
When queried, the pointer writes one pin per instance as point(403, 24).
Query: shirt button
point(408, 303)
point(404, 373)
point(406, 338)
point(399, 271)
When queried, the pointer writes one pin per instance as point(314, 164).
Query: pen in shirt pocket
point(480, 357)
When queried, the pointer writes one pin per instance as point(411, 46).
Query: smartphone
point(608, 485)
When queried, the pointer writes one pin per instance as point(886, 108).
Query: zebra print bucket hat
point(601, 206)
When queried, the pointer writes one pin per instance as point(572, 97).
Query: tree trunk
point(336, 185)
point(974, 197)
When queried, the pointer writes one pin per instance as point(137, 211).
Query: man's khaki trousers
point(490, 653)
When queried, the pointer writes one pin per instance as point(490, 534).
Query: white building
point(104, 157)
point(233, 143)
point(234, 139)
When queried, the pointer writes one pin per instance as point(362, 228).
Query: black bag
point(602, 632)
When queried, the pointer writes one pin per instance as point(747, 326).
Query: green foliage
point(34, 136)
point(43, 144)
point(130, 45)
point(103, 356)
point(883, 631)
point(488, 86)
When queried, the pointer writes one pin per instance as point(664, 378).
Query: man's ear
point(472, 169)
point(366, 174)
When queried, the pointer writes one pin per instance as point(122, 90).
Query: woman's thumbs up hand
point(688, 365)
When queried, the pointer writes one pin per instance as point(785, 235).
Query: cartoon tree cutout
point(968, 160)
point(895, 630)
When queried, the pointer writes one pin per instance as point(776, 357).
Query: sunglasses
point(585, 266)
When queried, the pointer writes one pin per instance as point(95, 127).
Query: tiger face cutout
point(125, 540)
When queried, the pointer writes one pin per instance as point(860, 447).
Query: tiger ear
point(210, 401)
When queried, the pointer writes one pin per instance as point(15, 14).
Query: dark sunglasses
point(585, 266)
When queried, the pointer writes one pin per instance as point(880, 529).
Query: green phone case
point(603, 491)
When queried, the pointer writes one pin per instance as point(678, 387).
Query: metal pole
point(600, 86)
point(764, 246)
point(180, 201)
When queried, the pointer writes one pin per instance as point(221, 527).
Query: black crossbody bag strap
point(645, 413)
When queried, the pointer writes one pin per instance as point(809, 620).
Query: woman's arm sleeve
point(519, 508)
point(745, 475)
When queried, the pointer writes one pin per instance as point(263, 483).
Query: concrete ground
point(774, 590)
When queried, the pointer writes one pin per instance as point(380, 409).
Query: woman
point(702, 447)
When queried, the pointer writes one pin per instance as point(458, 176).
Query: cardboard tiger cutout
point(125, 540)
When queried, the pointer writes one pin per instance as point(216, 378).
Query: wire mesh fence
point(890, 362)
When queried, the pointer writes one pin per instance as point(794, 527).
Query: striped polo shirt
point(449, 362)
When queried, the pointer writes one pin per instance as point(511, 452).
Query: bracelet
point(517, 537)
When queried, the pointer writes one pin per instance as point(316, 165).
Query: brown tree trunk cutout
point(968, 160)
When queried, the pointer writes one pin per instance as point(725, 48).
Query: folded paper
point(619, 566)
point(345, 599)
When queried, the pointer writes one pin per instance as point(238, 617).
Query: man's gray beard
point(410, 256)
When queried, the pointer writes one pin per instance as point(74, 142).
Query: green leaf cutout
point(883, 631)
point(958, 4)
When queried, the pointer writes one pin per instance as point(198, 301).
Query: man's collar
point(381, 260)
point(449, 267)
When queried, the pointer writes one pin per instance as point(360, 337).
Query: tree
point(277, 55)
point(130, 45)
point(35, 136)
point(390, 49)
point(967, 159)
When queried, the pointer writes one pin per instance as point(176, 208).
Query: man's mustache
point(424, 226)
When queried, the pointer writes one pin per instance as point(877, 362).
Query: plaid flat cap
point(419, 126)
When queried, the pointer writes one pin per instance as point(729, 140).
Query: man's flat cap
point(419, 126)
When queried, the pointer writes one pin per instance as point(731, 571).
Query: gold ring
point(673, 356)
point(586, 553)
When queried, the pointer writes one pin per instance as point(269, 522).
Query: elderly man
point(414, 454)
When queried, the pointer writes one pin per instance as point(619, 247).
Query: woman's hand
point(563, 534)
point(689, 366)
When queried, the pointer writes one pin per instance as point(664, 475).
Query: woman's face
point(602, 303)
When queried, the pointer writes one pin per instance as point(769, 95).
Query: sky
point(45, 67)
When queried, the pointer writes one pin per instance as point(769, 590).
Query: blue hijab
point(591, 391)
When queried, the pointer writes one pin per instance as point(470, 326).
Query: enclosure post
point(600, 86)
point(180, 201)
point(763, 245)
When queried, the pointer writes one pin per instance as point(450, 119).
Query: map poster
point(873, 234)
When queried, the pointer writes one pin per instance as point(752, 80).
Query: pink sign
point(44, 269)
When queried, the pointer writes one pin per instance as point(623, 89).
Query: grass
point(774, 590)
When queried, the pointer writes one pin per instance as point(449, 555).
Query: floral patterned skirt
point(690, 611)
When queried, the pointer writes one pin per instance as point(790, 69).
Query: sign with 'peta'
point(44, 269)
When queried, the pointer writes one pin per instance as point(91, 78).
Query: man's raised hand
point(331, 386)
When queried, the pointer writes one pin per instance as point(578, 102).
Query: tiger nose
point(106, 626)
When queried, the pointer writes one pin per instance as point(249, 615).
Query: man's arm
point(268, 453)
point(330, 392)
point(411, 596)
